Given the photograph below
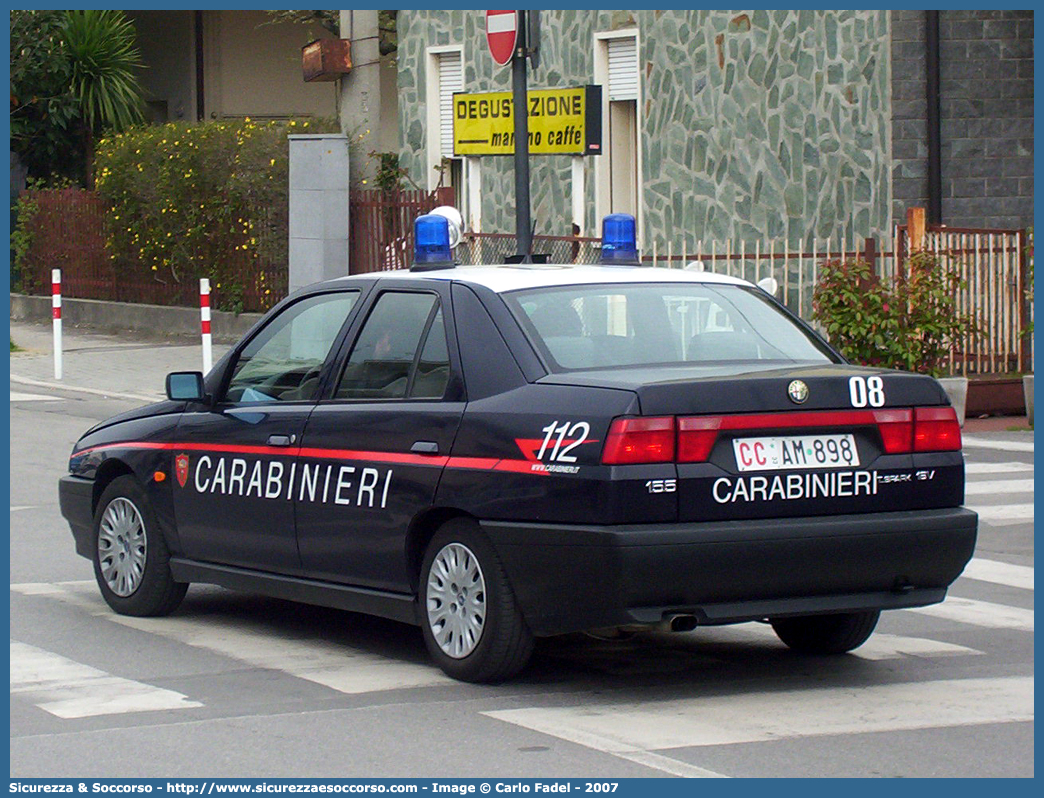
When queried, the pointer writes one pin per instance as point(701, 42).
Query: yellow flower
point(246, 119)
point(272, 162)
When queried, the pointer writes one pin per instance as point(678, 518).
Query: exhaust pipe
point(682, 623)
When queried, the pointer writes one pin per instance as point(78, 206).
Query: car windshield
point(620, 325)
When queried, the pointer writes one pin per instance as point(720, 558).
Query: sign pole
point(204, 323)
point(523, 225)
point(56, 320)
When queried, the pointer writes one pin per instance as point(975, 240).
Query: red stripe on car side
point(393, 458)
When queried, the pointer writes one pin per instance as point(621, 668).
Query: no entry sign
point(501, 34)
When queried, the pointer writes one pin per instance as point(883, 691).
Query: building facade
point(765, 126)
point(717, 126)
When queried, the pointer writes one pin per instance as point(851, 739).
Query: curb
point(159, 322)
point(137, 397)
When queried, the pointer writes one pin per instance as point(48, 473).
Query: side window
point(282, 363)
point(400, 352)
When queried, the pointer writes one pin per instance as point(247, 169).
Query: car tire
point(826, 634)
point(467, 610)
point(131, 559)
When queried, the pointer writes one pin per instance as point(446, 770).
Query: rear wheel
point(826, 634)
point(131, 560)
point(471, 623)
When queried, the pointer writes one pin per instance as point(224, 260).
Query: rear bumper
point(570, 578)
point(76, 497)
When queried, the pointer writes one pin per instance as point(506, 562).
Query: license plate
point(795, 451)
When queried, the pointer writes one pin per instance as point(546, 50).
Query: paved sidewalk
point(104, 364)
point(135, 369)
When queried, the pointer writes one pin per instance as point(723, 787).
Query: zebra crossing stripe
point(974, 442)
point(992, 487)
point(980, 613)
point(736, 717)
point(336, 666)
point(33, 397)
point(1000, 573)
point(997, 468)
point(1003, 514)
point(69, 689)
point(879, 647)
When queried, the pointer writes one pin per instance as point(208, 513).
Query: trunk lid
point(771, 455)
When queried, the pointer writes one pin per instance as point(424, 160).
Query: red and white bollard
point(204, 322)
point(56, 319)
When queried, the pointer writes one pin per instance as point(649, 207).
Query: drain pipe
point(931, 40)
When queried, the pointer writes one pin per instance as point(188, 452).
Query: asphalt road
point(237, 685)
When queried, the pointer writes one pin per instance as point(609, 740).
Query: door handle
point(425, 447)
point(281, 440)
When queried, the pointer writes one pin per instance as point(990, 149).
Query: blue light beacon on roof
point(619, 240)
point(431, 243)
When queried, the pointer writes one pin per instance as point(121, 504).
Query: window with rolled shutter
point(451, 79)
point(623, 69)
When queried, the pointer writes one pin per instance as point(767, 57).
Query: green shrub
point(909, 323)
point(200, 200)
point(26, 209)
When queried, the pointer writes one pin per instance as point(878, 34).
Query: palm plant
point(104, 61)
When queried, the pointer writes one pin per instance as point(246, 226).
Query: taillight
point(896, 428)
point(640, 440)
point(652, 440)
point(696, 437)
point(936, 429)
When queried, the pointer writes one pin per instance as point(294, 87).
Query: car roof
point(514, 277)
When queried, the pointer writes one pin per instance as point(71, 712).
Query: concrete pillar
point(319, 173)
point(360, 98)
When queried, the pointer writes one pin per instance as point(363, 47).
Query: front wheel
point(826, 634)
point(131, 560)
point(471, 623)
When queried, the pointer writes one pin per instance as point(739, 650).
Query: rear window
point(616, 326)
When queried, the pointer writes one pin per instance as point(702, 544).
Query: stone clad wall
point(758, 126)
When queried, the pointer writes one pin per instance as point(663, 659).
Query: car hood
point(155, 409)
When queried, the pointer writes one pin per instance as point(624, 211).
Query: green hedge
point(201, 200)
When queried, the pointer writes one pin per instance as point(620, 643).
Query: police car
point(507, 452)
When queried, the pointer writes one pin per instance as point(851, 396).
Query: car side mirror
point(185, 386)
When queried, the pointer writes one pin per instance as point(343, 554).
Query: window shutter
point(451, 79)
point(623, 69)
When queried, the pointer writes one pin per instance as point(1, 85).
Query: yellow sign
point(561, 122)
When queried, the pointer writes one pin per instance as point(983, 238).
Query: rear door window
point(400, 353)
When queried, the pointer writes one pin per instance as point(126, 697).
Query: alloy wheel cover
point(456, 600)
point(122, 547)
